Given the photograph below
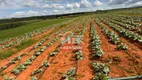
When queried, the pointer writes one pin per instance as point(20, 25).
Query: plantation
point(111, 48)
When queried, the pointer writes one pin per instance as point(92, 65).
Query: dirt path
point(84, 71)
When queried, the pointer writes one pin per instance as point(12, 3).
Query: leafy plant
point(32, 58)
point(100, 76)
point(70, 75)
point(2, 68)
point(100, 68)
point(34, 78)
point(16, 71)
point(8, 78)
point(46, 64)
point(122, 47)
point(101, 71)
point(28, 62)
point(52, 54)
point(37, 53)
point(96, 43)
point(36, 72)
point(98, 53)
point(79, 55)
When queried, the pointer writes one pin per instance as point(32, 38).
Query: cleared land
point(111, 47)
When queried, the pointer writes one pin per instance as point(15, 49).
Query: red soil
point(84, 71)
point(133, 49)
point(5, 61)
point(121, 63)
point(124, 67)
point(37, 62)
point(59, 65)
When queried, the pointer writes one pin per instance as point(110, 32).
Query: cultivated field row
point(109, 49)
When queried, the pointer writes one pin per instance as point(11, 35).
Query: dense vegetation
point(15, 24)
point(13, 32)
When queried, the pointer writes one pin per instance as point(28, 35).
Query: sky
point(27, 8)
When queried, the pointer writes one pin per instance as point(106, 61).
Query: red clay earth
point(41, 36)
point(5, 61)
point(60, 64)
point(39, 60)
point(121, 64)
point(127, 66)
point(137, 44)
point(84, 71)
point(35, 64)
point(109, 53)
point(133, 49)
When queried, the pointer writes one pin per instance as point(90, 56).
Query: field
point(110, 48)
point(28, 28)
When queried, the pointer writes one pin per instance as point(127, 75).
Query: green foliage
point(52, 54)
point(45, 63)
point(122, 47)
point(101, 68)
point(36, 71)
point(2, 68)
point(70, 75)
point(100, 76)
point(15, 24)
point(5, 54)
point(101, 71)
point(126, 33)
point(24, 44)
point(98, 53)
point(10, 52)
point(28, 62)
point(96, 43)
point(5, 34)
point(18, 69)
point(39, 70)
point(15, 71)
point(34, 78)
point(79, 55)
point(8, 78)
point(40, 50)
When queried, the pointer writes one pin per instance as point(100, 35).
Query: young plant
point(70, 75)
point(34, 78)
point(100, 68)
point(122, 47)
point(101, 71)
point(79, 55)
point(8, 78)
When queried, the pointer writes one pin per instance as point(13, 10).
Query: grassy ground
point(5, 34)
point(9, 52)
